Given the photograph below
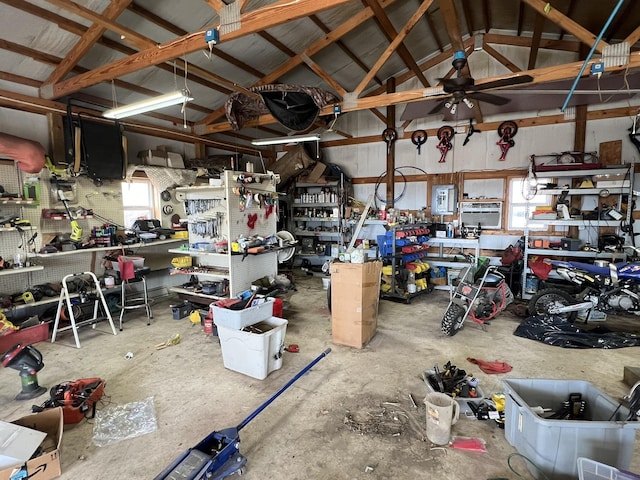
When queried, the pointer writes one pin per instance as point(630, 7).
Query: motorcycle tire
point(539, 303)
point(452, 320)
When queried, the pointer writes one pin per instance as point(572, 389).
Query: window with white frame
point(138, 200)
point(520, 209)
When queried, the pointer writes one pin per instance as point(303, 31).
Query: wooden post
point(391, 150)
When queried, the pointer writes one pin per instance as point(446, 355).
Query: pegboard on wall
point(105, 200)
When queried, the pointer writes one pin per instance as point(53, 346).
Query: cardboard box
point(355, 289)
point(17, 444)
point(47, 465)
point(316, 173)
point(156, 158)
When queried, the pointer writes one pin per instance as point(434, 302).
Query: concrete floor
point(334, 423)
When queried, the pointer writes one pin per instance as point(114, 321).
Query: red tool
point(507, 130)
point(445, 134)
point(293, 348)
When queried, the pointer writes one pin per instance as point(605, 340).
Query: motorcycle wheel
point(541, 301)
point(452, 320)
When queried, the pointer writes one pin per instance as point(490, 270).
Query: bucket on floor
point(325, 283)
point(442, 412)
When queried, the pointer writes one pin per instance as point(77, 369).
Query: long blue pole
point(279, 392)
point(593, 48)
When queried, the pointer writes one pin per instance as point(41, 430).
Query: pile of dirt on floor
point(387, 418)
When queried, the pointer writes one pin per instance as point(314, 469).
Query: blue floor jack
point(218, 455)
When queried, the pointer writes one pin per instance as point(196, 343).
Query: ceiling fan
point(463, 88)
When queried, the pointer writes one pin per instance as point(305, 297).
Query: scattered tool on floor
point(175, 340)
point(217, 456)
point(28, 361)
point(293, 348)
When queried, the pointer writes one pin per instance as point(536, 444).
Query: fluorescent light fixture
point(314, 137)
point(156, 103)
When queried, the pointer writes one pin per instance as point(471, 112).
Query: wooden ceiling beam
point(501, 58)
point(170, 27)
point(433, 31)
point(633, 37)
point(620, 17)
point(141, 42)
point(43, 106)
point(535, 41)
point(126, 34)
point(394, 45)
point(322, 73)
point(519, 41)
point(467, 17)
point(87, 40)
point(49, 59)
point(217, 5)
point(568, 13)
point(520, 18)
point(19, 79)
point(340, 44)
point(252, 22)
point(540, 75)
point(585, 36)
point(486, 16)
point(296, 59)
point(80, 30)
point(387, 28)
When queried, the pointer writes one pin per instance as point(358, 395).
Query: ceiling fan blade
point(488, 98)
point(437, 108)
point(504, 82)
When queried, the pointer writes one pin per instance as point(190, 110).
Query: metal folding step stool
point(65, 297)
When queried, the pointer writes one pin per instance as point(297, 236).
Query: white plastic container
point(254, 354)
point(555, 445)
point(238, 319)
point(591, 470)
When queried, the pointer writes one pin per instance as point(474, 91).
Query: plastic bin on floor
point(257, 352)
point(226, 317)
point(555, 445)
point(591, 470)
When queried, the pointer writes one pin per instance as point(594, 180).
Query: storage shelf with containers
point(318, 219)
point(404, 273)
point(605, 204)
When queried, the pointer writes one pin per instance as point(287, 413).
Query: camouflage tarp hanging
point(293, 106)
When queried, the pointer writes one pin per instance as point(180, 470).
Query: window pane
point(135, 193)
point(131, 215)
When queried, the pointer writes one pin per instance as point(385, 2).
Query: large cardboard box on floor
point(355, 289)
point(47, 464)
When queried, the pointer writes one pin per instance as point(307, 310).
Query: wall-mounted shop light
point(315, 137)
point(156, 103)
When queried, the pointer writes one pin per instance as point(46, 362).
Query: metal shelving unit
point(570, 175)
point(318, 218)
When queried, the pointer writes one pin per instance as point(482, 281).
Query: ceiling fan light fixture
point(468, 102)
point(454, 107)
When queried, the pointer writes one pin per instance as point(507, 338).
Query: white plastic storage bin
point(238, 319)
point(255, 353)
point(590, 470)
point(555, 445)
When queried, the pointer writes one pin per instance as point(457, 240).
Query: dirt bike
point(607, 287)
point(480, 294)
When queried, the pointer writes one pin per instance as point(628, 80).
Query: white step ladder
point(66, 298)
